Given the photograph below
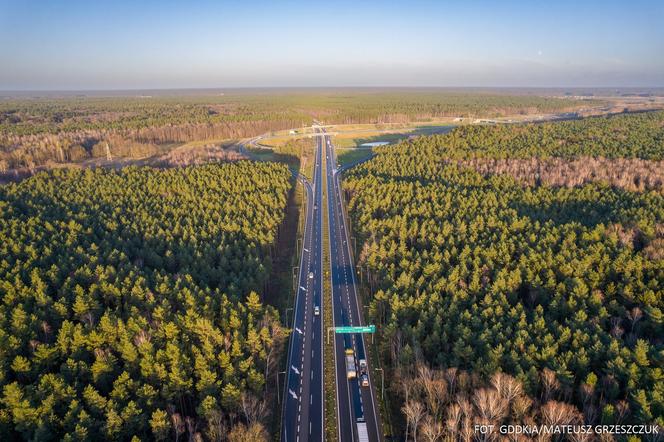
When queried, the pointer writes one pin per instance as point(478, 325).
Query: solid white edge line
point(373, 390)
point(307, 188)
point(350, 408)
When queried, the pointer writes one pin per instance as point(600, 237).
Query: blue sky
point(177, 44)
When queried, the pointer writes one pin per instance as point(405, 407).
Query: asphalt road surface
point(303, 395)
point(356, 405)
point(303, 415)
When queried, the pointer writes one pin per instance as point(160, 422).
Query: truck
point(363, 366)
point(364, 376)
point(362, 434)
point(350, 364)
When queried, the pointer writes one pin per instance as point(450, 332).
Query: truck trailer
point(351, 371)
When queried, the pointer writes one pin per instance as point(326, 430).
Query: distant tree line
point(38, 131)
point(619, 136)
point(626, 151)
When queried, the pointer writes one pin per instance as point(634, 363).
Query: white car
point(316, 310)
point(311, 275)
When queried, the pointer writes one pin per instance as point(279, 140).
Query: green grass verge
point(355, 138)
point(347, 156)
point(329, 363)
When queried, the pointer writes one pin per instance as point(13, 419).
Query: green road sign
point(363, 329)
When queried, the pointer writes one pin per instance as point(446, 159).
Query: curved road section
point(302, 418)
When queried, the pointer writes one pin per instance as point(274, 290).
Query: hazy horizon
point(598, 91)
point(80, 46)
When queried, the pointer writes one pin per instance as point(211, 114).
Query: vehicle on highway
point(316, 311)
point(362, 433)
point(364, 380)
point(350, 364)
point(363, 366)
point(311, 275)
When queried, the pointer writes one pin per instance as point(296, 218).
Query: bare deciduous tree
point(521, 407)
point(628, 173)
point(407, 388)
point(252, 408)
point(253, 433)
point(467, 431)
point(431, 429)
point(490, 405)
point(508, 387)
point(622, 410)
point(192, 426)
point(414, 412)
point(178, 423)
point(550, 384)
point(634, 315)
point(558, 413)
point(616, 330)
point(216, 429)
point(451, 378)
point(453, 420)
point(434, 388)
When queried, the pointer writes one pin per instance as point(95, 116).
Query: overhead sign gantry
point(351, 329)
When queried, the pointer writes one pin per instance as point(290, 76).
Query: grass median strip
point(329, 377)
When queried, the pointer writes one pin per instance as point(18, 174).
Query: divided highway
point(357, 412)
point(303, 397)
point(303, 413)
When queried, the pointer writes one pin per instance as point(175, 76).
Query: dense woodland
point(35, 132)
point(516, 271)
point(625, 151)
point(131, 302)
point(561, 288)
point(639, 135)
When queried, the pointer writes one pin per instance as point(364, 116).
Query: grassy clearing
point(282, 140)
point(297, 154)
point(355, 138)
point(222, 142)
point(395, 127)
point(341, 142)
point(350, 143)
point(347, 156)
